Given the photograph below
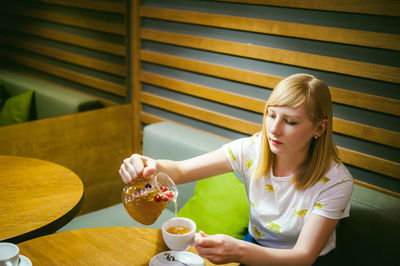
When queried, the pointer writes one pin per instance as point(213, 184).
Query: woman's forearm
point(196, 168)
point(252, 254)
point(172, 169)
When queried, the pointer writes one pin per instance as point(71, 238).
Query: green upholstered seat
point(51, 99)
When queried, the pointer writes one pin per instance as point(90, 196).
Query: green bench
point(49, 98)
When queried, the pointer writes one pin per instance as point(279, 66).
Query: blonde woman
point(296, 186)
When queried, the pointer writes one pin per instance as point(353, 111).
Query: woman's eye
point(271, 115)
point(291, 123)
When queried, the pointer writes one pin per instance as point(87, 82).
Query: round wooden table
point(37, 197)
point(97, 246)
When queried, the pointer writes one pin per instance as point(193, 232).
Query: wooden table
point(37, 197)
point(97, 246)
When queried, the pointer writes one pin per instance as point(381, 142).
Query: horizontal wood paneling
point(204, 92)
point(236, 74)
point(312, 32)
point(67, 38)
point(85, 23)
point(369, 162)
point(374, 7)
point(338, 95)
point(69, 57)
point(374, 134)
point(200, 113)
point(115, 7)
point(361, 131)
point(81, 44)
point(325, 63)
point(147, 118)
point(357, 99)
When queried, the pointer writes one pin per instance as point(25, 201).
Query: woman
point(296, 186)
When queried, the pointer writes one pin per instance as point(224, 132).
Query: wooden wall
point(213, 64)
point(81, 44)
point(92, 144)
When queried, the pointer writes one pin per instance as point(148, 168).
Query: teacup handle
point(196, 234)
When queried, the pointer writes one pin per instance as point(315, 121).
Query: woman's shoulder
point(338, 172)
point(247, 141)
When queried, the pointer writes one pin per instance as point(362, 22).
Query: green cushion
point(16, 109)
point(3, 94)
point(219, 206)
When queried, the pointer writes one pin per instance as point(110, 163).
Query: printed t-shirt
point(278, 211)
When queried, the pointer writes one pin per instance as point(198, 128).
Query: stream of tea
point(175, 200)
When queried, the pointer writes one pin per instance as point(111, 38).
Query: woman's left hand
point(217, 248)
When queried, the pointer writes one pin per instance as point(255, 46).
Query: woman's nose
point(275, 127)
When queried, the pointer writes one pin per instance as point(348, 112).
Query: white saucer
point(188, 258)
point(24, 261)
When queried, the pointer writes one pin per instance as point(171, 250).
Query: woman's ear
point(321, 127)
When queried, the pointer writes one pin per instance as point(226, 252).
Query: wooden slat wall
point(81, 44)
point(212, 65)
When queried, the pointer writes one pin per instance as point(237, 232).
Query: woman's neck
point(287, 165)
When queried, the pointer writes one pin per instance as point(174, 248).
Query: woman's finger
point(124, 175)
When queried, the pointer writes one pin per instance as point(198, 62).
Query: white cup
point(178, 242)
point(9, 254)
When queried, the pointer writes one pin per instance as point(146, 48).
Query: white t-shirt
point(278, 211)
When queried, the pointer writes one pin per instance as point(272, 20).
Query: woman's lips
point(275, 142)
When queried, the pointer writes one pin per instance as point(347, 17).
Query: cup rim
point(14, 254)
point(164, 230)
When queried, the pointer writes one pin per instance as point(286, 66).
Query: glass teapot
point(146, 199)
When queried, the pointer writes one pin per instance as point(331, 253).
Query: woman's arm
point(206, 165)
point(312, 239)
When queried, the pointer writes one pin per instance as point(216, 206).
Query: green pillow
point(3, 94)
point(16, 109)
point(219, 206)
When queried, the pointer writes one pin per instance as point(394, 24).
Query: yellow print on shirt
point(342, 211)
point(249, 163)
point(269, 188)
point(319, 205)
point(300, 213)
point(251, 140)
point(232, 155)
point(274, 227)
point(324, 180)
point(255, 230)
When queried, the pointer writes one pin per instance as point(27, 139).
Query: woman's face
point(290, 131)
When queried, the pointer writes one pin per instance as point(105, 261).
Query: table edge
point(50, 227)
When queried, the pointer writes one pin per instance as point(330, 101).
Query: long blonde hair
point(292, 92)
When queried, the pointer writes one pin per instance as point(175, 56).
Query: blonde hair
point(292, 92)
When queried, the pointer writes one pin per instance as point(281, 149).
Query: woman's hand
point(137, 166)
point(218, 248)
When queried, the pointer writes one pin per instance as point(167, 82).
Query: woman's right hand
point(137, 166)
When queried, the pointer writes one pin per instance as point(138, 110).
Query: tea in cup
point(178, 233)
point(9, 254)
